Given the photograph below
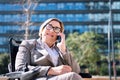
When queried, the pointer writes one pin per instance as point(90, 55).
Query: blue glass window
point(60, 6)
point(34, 18)
point(42, 17)
point(7, 18)
point(16, 28)
point(5, 7)
point(41, 6)
point(3, 49)
point(1, 18)
point(8, 7)
point(1, 29)
point(34, 28)
point(16, 18)
point(79, 6)
point(70, 17)
point(79, 17)
point(17, 7)
point(116, 17)
point(116, 5)
point(61, 17)
point(52, 6)
point(69, 28)
point(51, 15)
point(85, 17)
point(1, 7)
point(69, 6)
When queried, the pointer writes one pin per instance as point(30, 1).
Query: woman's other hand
point(59, 70)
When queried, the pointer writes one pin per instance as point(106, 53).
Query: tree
point(4, 60)
point(85, 47)
point(118, 45)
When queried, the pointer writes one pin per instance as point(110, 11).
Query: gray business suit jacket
point(33, 53)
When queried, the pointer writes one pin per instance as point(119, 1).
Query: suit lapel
point(45, 53)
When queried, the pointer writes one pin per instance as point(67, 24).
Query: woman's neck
point(50, 44)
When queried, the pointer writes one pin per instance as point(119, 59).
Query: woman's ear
point(40, 35)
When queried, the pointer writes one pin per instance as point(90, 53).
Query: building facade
point(21, 19)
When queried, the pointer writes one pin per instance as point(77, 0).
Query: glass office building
point(21, 19)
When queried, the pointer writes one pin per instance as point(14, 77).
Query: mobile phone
point(58, 39)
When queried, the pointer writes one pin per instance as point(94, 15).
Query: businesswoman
point(53, 58)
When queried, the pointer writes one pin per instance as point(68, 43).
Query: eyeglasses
point(55, 29)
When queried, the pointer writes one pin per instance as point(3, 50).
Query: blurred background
point(92, 29)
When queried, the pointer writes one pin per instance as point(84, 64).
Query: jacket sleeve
point(71, 62)
point(23, 57)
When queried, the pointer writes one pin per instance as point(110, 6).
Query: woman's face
point(49, 34)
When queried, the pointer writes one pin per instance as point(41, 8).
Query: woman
point(53, 58)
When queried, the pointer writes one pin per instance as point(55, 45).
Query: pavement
point(102, 78)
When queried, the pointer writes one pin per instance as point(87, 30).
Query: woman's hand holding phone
point(61, 45)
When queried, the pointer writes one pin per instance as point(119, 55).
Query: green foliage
point(117, 45)
point(4, 60)
point(118, 70)
point(117, 53)
point(85, 48)
point(103, 69)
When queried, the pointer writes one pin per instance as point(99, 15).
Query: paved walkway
point(93, 78)
point(101, 78)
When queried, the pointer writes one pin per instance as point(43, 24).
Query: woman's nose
point(52, 30)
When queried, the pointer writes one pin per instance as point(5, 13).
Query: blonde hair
point(48, 21)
